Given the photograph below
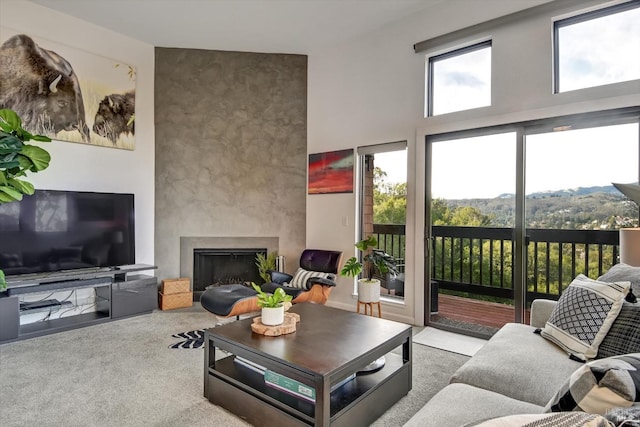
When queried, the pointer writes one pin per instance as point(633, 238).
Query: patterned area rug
point(189, 339)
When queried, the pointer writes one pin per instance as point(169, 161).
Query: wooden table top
point(326, 338)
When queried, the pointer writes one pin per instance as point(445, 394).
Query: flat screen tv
point(66, 230)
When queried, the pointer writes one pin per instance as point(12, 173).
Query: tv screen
point(66, 230)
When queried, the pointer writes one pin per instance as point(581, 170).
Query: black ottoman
point(229, 300)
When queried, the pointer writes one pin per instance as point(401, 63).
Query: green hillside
point(580, 209)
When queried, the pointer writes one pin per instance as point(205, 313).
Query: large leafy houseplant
point(374, 260)
point(16, 159)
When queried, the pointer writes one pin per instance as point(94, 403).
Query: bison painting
point(41, 87)
point(115, 116)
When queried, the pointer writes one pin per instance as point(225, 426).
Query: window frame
point(446, 55)
point(581, 17)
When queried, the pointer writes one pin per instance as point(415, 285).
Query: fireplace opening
point(215, 267)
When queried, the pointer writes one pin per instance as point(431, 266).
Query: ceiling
point(275, 26)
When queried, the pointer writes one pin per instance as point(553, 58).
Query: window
point(460, 80)
point(597, 48)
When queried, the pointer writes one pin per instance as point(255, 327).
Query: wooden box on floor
point(176, 286)
point(171, 301)
point(175, 293)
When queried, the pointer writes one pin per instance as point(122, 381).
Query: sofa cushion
point(514, 361)
point(460, 404)
point(600, 385)
point(564, 419)
point(624, 335)
point(584, 314)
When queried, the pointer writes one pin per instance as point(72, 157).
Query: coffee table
point(329, 346)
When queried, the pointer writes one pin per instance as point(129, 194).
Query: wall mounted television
point(54, 231)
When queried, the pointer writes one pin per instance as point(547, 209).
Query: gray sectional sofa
point(516, 372)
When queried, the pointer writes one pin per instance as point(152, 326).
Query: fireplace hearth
point(229, 244)
point(224, 266)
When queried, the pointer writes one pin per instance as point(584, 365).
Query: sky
point(394, 163)
point(555, 161)
point(595, 52)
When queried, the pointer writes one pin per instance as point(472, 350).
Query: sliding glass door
point(515, 212)
point(472, 220)
point(384, 207)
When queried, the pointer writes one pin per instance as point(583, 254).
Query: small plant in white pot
point(273, 305)
point(374, 260)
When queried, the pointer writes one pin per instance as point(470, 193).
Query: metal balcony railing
point(479, 260)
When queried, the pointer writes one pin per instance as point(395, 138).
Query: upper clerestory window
point(459, 80)
point(597, 48)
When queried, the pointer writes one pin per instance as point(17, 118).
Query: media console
point(108, 294)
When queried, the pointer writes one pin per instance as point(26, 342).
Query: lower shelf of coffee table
point(228, 375)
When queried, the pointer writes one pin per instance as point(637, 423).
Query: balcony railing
point(392, 239)
point(479, 260)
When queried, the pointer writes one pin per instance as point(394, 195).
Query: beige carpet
point(123, 373)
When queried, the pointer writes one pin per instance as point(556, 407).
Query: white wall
point(91, 168)
point(372, 91)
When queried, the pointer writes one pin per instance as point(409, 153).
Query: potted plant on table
point(273, 305)
point(16, 159)
point(374, 260)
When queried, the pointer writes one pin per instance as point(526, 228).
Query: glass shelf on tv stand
point(65, 309)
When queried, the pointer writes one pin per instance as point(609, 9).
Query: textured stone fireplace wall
point(231, 150)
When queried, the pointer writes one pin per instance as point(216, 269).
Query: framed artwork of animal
point(66, 93)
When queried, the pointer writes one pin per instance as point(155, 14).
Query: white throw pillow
point(300, 278)
point(584, 314)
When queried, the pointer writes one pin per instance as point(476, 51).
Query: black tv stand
point(118, 293)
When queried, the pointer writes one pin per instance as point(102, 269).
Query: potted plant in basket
point(374, 260)
point(16, 159)
point(273, 305)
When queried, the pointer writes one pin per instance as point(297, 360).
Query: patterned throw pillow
point(565, 419)
point(624, 335)
point(600, 385)
point(583, 315)
point(302, 276)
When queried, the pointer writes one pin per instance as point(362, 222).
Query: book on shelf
point(296, 388)
point(289, 385)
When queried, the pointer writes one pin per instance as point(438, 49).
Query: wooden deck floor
point(468, 310)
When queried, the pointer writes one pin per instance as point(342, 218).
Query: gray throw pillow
point(623, 273)
point(624, 335)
